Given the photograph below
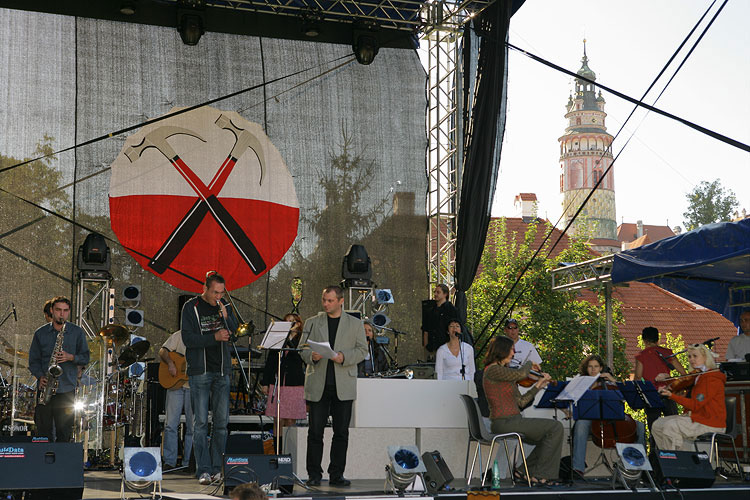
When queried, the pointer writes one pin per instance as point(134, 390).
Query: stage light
point(142, 464)
point(633, 461)
point(133, 317)
point(384, 296)
point(132, 294)
point(405, 466)
point(93, 254)
point(78, 405)
point(365, 46)
point(380, 320)
point(127, 7)
point(311, 25)
point(356, 268)
point(190, 22)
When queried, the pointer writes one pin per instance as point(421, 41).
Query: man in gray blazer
point(331, 384)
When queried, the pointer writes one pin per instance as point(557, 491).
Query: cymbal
point(21, 354)
point(126, 358)
point(117, 334)
point(140, 348)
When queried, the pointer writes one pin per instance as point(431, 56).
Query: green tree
point(564, 326)
point(709, 202)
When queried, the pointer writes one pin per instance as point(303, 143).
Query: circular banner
point(205, 190)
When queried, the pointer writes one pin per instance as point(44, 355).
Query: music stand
point(605, 405)
point(276, 338)
point(640, 394)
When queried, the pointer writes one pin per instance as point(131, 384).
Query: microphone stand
point(396, 333)
point(233, 342)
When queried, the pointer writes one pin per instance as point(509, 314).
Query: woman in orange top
point(706, 408)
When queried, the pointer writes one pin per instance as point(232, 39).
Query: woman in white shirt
point(454, 360)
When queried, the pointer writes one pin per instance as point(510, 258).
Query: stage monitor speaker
point(246, 443)
point(438, 474)
point(263, 469)
point(685, 469)
point(42, 470)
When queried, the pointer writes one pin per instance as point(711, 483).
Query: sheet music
point(276, 335)
point(576, 387)
point(322, 348)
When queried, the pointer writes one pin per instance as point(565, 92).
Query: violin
point(682, 383)
point(533, 378)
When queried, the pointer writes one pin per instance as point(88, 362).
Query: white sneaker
point(216, 478)
point(205, 478)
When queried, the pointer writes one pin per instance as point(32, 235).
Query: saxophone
point(53, 371)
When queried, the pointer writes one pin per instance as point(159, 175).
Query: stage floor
point(106, 485)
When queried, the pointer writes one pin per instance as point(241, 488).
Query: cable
point(601, 178)
point(170, 115)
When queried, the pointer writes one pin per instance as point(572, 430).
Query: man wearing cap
point(525, 351)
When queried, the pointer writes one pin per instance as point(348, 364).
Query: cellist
point(592, 366)
point(707, 410)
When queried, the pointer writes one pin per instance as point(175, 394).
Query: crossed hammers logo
point(208, 200)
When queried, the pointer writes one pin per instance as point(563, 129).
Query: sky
point(628, 42)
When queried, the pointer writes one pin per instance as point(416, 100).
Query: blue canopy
point(704, 266)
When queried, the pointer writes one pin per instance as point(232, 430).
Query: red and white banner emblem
point(206, 190)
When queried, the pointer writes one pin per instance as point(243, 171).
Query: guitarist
point(178, 397)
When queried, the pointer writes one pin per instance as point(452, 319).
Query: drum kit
point(112, 393)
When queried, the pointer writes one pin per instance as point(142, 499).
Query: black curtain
point(484, 126)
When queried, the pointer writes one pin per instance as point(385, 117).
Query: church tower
point(585, 154)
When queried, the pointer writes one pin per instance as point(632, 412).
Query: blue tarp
point(702, 266)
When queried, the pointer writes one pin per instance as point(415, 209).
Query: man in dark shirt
point(436, 315)
point(206, 325)
point(331, 384)
point(73, 354)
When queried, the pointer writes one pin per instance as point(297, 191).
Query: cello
point(605, 433)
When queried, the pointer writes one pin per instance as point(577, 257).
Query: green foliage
point(563, 327)
point(709, 202)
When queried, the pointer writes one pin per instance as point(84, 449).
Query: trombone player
point(57, 351)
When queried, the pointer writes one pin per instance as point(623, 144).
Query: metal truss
point(588, 274)
point(444, 140)
point(408, 15)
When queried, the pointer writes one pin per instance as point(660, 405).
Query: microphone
point(15, 316)
point(708, 342)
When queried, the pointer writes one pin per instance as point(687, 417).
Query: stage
point(106, 485)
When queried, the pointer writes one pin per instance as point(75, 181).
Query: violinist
point(505, 401)
point(652, 364)
point(592, 366)
point(706, 406)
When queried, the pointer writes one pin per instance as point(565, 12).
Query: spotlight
point(404, 467)
point(190, 26)
point(310, 25)
point(633, 462)
point(356, 268)
point(384, 296)
point(93, 255)
point(132, 294)
point(127, 8)
point(133, 317)
point(365, 46)
point(380, 320)
point(78, 405)
point(141, 467)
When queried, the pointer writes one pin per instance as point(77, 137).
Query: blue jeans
point(213, 386)
point(177, 399)
point(581, 432)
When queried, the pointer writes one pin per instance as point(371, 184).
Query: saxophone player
point(58, 348)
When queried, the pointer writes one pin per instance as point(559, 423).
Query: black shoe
point(313, 482)
point(339, 481)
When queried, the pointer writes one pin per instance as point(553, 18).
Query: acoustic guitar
point(166, 379)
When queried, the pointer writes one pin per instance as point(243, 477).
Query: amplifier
point(249, 443)
point(262, 469)
point(736, 371)
point(685, 469)
point(43, 470)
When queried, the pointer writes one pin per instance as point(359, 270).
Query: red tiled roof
point(526, 196)
point(645, 304)
point(643, 240)
point(628, 232)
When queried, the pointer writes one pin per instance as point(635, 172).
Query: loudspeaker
point(246, 443)
point(263, 469)
point(685, 469)
point(43, 470)
point(438, 474)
